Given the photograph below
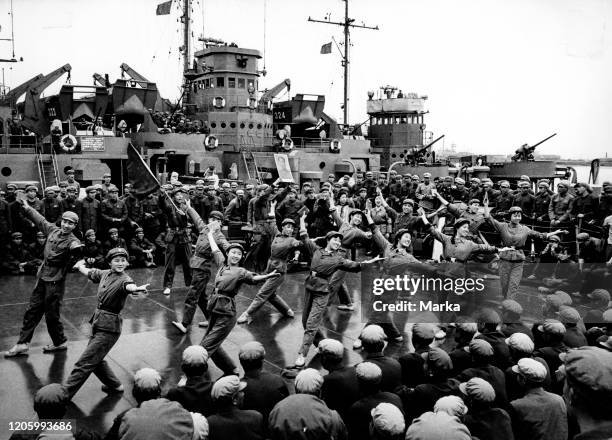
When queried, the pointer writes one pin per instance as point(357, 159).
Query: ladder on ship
point(47, 169)
point(250, 162)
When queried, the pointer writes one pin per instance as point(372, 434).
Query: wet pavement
point(150, 340)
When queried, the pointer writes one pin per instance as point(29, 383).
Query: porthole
point(223, 125)
point(6, 171)
point(213, 125)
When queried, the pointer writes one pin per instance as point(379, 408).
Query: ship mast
point(347, 24)
point(186, 31)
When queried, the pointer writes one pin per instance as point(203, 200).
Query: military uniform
point(222, 310)
point(49, 289)
point(106, 329)
point(526, 202)
point(89, 214)
point(475, 218)
point(560, 207)
point(52, 209)
point(178, 243)
point(511, 261)
point(114, 214)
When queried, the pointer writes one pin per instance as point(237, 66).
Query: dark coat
point(194, 395)
point(340, 389)
point(263, 391)
point(234, 423)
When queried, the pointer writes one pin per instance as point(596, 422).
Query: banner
point(139, 174)
point(164, 8)
point(283, 167)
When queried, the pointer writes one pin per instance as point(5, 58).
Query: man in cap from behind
point(264, 389)
point(553, 332)
point(538, 414)
point(436, 426)
point(194, 393)
point(325, 262)
point(229, 421)
point(413, 364)
point(359, 416)
point(484, 419)
point(561, 204)
point(387, 423)
point(488, 321)
point(574, 327)
point(373, 342)
point(340, 387)
point(303, 415)
point(451, 405)
point(114, 286)
point(599, 300)
point(511, 312)
point(61, 248)
point(521, 346)
point(588, 391)
point(465, 329)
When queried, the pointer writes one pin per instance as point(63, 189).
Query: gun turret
point(525, 151)
point(417, 155)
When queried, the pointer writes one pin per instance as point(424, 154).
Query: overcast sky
point(498, 73)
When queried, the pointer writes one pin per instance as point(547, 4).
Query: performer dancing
point(514, 235)
point(114, 286)
point(325, 263)
point(46, 299)
point(283, 248)
point(222, 305)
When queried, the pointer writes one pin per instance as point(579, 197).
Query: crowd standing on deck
point(490, 375)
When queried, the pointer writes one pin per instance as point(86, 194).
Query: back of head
point(147, 385)
point(387, 422)
point(369, 376)
point(195, 361)
point(50, 401)
point(252, 355)
point(308, 381)
point(373, 338)
point(332, 353)
point(157, 419)
point(437, 426)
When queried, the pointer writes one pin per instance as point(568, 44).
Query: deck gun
point(525, 151)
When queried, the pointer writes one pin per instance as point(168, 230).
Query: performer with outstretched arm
point(114, 286)
point(222, 305)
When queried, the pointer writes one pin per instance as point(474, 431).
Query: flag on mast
point(164, 8)
point(326, 48)
point(139, 174)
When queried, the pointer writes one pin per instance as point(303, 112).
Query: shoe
point(180, 326)
point(17, 350)
point(289, 314)
point(53, 348)
point(531, 277)
point(109, 390)
point(203, 324)
point(244, 318)
point(300, 361)
point(357, 344)
point(346, 307)
point(167, 291)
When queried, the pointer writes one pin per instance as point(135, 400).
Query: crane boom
point(13, 95)
point(132, 73)
point(270, 94)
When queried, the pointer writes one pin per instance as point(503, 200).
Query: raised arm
point(41, 223)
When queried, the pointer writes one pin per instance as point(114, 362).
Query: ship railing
point(17, 142)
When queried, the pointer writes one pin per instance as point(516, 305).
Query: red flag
point(164, 8)
point(326, 48)
point(139, 174)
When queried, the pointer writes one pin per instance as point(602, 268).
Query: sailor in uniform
point(114, 286)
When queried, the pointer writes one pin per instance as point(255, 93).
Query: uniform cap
point(554, 238)
point(355, 211)
point(583, 236)
point(288, 221)
point(439, 359)
point(332, 347)
point(526, 178)
point(225, 185)
point(128, 185)
point(480, 347)
point(543, 183)
point(195, 355)
point(90, 232)
point(138, 230)
point(553, 301)
point(568, 315)
point(113, 230)
point(308, 381)
point(227, 386)
point(416, 177)
point(514, 209)
point(478, 389)
point(530, 369)
point(451, 405)
point(90, 188)
point(234, 246)
point(509, 305)
point(388, 419)
point(216, 215)
point(251, 351)
point(566, 299)
point(112, 189)
point(63, 184)
point(180, 189)
point(408, 201)
point(504, 184)
point(368, 371)
point(600, 295)
point(332, 234)
point(15, 235)
point(116, 252)
point(31, 188)
point(49, 396)
point(424, 331)
point(564, 183)
point(50, 189)
point(106, 175)
point(262, 187)
point(589, 369)
point(71, 216)
point(426, 175)
point(147, 379)
point(520, 342)
point(488, 316)
point(70, 171)
point(475, 179)
point(436, 426)
point(448, 178)
point(40, 234)
point(460, 222)
point(523, 184)
point(459, 180)
point(552, 327)
point(372, 334)
point(200, 426)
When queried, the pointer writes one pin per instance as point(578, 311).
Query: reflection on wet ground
point(150, 340)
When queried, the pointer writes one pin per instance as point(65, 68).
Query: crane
point(101, 80)
point(15, 93)
point(132, 73)
point(270, 94)
point(34, 116)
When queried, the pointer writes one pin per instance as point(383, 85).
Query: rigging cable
point(264, 34)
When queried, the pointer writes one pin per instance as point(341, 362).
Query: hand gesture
point(274, 274)
point(373, 260)
point(368, 216)
point(369, 235)
point(273, 204)
point(435, 193)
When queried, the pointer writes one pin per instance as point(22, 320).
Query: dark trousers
point(219, 328)
point(92, 361)
point(196, 296)
point(180, 252)
point(315, 306)
point(338, 286)
point(46, 300)
point(268, 293)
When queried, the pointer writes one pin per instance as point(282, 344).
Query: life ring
point(68, 143)
point(211, 142)
point(219, 102)
point(287, 144)
point(335, 146)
